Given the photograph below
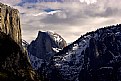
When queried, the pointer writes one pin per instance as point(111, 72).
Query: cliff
point(14, 61)
point(10, 22)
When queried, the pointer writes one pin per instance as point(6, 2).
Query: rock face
point(10, 22)
point(14, 62)
point(45, 46)
point(95, 56)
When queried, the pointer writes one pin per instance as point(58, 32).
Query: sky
point(69, 18)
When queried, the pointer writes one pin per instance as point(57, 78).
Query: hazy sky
point(70, 19)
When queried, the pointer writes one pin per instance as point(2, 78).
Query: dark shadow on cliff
point(14, 63)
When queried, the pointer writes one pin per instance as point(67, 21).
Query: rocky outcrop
point(95, 56)
point(44, 47)
point(14, 61)
point(10, 22)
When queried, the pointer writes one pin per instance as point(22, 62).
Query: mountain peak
point(45, 46)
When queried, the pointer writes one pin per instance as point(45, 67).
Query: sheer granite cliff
point(10, 22)
point(14, 61)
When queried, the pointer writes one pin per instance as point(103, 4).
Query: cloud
point(69, 19)
point(10, 2)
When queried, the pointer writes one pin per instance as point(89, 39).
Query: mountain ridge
point(95, 51)
point(88, 33)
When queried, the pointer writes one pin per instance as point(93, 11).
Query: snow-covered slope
point(95, 56)
point(35, 62)
point(44, 47)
